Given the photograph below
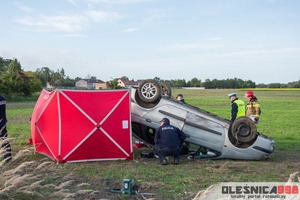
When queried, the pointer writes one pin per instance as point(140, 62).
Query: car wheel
point(149, 90)
point(243, 129)
point(166, 89)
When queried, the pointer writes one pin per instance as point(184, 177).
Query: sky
point(257, 40)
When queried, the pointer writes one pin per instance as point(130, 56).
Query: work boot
point(164, 162)
point(176, 161)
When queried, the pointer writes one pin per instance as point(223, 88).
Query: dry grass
point(34, 176)
point(32, 180)
point(29, 179)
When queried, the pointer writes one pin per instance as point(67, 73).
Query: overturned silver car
point(215, 137)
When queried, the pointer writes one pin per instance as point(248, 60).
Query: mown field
point(34, 176)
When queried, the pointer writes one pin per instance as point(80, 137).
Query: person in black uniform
point(180, 98)
point(3, 132)
point(168, 140)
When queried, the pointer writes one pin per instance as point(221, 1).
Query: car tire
point(244, 130)
point(149, 90)
point(166, 89)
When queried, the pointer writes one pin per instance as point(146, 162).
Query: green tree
point(34, 83)
point(48, 76)
point(68, 82)
point(157, 79)
point(124, 78)
point(14, 80)
point(195, 82)
point(178, 83)
point(4, 64)
point(57, 78)
point(44, 74)
point(274, 85)
point(113, 84)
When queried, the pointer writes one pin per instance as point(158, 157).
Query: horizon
point(255, 40)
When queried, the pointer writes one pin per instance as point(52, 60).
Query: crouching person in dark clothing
point(6, 149)
point(168, 140)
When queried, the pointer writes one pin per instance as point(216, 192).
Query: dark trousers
point(5, 143)
point(162, 152)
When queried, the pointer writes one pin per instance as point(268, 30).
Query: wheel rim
point(149, 90)
point(244, 131)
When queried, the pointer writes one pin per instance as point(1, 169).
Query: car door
point(175, 113)
point(204, 131)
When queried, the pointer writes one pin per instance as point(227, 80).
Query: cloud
point(157, 14)
point(24, 8)
point(101, 16)
point(73, 2)
point(215, 38)
point(63, 23)
point(66, 23)
point(191, 46)
point(264, 52)
point(118, 1)
point(130, 30)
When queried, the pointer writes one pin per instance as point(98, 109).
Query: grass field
point(41, 178)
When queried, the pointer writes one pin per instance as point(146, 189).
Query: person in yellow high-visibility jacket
point(238, 108)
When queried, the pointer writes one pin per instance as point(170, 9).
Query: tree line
point(211, 84)
point(230, 83)
point(15, 81)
